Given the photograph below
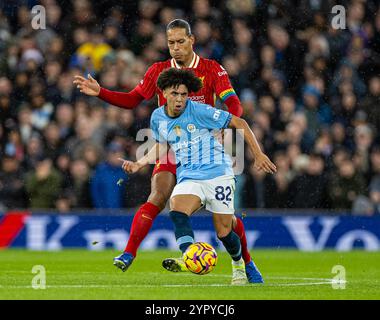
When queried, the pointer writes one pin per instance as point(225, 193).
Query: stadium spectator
point(109, 180)
point(53, 143)
point(255, 185)
point(12, 187)
point(287, 108)
point(62, 164)
point(43, 184)
point(286, 52)
point(374, 194)
point(309, 189)
point(374, 162)
point(258, 188)
point(78, 186)
point(84, 130)
point(323, 143)
point(369, 205)
point(33, 150)
point(370, 103)
point(24, 119)
point(318, 114)
point(340, 137)
point(92, 154)
point(363, 138)
point(14, 144)
point(345, 186)
point(64, 116)
point(63, 204)
point(206, 45)
point(137, 188)
point(277, 189)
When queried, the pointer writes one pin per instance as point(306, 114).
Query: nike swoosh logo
point(146, 217)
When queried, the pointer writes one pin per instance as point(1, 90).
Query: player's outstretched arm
point(262, 162)
point(155, 153)
point(125, 100)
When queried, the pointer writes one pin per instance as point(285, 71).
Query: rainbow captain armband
point(224, 95)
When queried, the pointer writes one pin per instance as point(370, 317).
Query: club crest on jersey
point(202, 79)
point(191, 128)
point(177, 130)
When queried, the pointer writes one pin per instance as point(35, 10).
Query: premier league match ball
point(200, 258)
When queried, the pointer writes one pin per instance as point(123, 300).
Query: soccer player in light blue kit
point(204, 172)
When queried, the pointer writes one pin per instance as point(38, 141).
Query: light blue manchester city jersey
point(199, 155)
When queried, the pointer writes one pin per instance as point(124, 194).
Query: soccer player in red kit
point(215, 83)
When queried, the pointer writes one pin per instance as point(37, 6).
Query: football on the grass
point(200, 258)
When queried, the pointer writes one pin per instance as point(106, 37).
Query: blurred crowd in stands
point(310, 92)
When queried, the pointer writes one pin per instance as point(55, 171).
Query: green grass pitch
point(81, 274)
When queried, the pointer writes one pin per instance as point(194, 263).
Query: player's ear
point(192, 39)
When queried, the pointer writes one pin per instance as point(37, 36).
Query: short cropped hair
point(179, 23)
point(173, 77)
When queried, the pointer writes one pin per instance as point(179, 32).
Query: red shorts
point(166, 163)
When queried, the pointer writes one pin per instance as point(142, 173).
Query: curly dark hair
point(173, 77)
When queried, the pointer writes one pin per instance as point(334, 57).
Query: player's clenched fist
point(262, 162)
point(87, 86)
point(130, 166)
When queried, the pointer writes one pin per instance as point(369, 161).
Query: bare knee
point(174, 204)
point(223, 233)
point(223, 224)
point(186, 203)
point(161, 188)
point(223, 229)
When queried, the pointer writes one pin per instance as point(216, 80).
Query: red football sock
point(141, 224)
point(239, 230)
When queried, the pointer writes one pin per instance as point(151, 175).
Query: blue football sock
point(182, 229)
point(232, 244)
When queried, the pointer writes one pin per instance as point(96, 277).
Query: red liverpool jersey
point(214, 78)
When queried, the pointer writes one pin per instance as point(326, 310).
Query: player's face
point(180, 45)
point(176, 99)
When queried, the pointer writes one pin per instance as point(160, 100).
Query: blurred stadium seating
point(310, 92)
